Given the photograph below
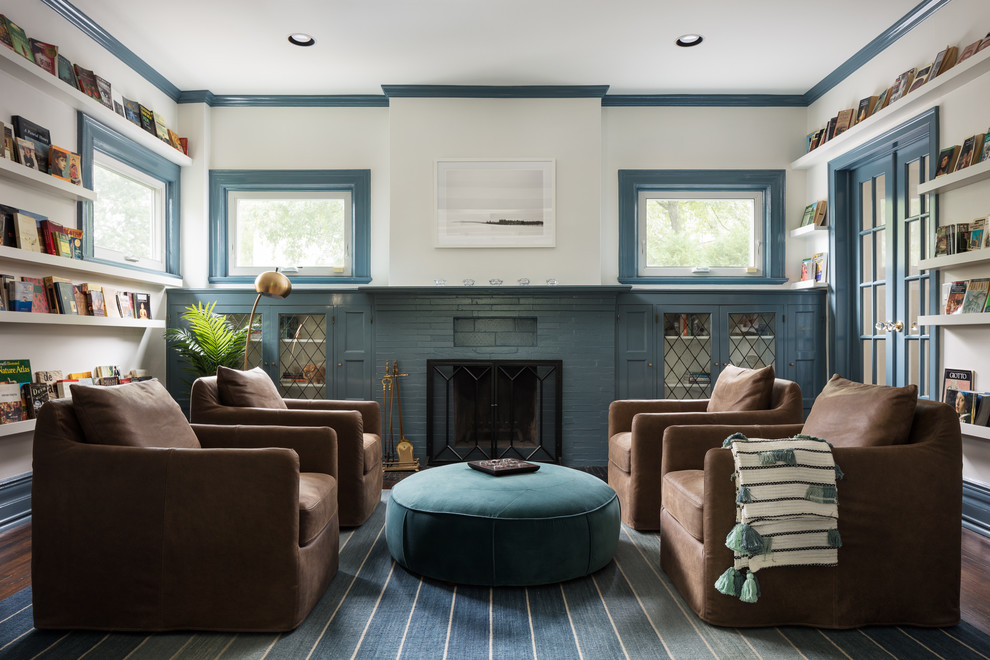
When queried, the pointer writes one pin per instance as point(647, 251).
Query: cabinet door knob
point(791, 364)
point(649, 364)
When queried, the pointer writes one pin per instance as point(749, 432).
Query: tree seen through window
point(700, 232)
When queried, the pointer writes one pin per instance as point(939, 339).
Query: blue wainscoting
point(976, 507)
point(15, 500)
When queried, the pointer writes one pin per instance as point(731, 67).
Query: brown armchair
point(900, 510)
point(357, 424)
point(636, 436)
point(151, 530)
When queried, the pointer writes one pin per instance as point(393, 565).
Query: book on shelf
point(819, 266)
point(830, 129)
point(947, 158)
point(821, 213)
point(49, 230)
point(110, 302)
point(921, 78)
point(20, 296)
point(75, 237)
point(946, 59)
point(82, 305)
point(19, 40)
point(49, 378)
point(807, 269)
point(970, 146)
point(955, 379)
point(901, 85)
point(9, 146)
point(5, 281)
point(58, 162)
point(62, 390)
point(26, 227)
point(844, 121)
point(124, 305)
point(808, 216)
point(866, 108)
point(966, 403)
point(161, 129)
point(8, 228)
point(34, 396)
point(977, 228)
point(65, 296)
point(63, 245)
point(87, 81)
point(976, 295)
point(95, 303)
point(5, 33)
point(45, 54)
point(65, 71)
point(11, 406)
point(983, 411)
point(40, 303)
point(118, 107)
point(38, 135)
point(957, 293)
point(960, 232)
point(147, 119)
point(103, 88)
point(185, 145)
point(174, 140)
point(25, 153)
point(132, 111)
point(883, 100)
point(142, 305)
point(16, 371)
point(968, 51)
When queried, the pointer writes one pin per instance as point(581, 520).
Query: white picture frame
point(495, 203)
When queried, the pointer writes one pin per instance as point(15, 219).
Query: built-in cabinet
point(313, 345)
point(674, 345)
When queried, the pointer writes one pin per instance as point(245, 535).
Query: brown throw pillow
point(140, 414)
point(742, 389)
point(247, 389)
point(850, 414)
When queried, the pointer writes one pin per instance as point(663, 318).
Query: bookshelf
point(954, 319)
point(46, 183)
point(13, 428)
point(964, 177)
point(960, 259)
point(74, 319)
point(12, 255)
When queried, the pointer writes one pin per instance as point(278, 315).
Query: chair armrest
point(316, 446)
point(370, 411)
point(685, 446)
point(621, 412)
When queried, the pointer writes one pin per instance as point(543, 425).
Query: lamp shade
point(272, 284)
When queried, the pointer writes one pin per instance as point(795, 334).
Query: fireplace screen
point(478, 410)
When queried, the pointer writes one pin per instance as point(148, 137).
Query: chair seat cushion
point(742, 389)
point(683, 498)
point(372, 452)
point(141, 414)
point(850, 414)
point(247, 389)
point(620, 451)
point(317, 504)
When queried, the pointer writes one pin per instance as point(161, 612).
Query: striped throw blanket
point(786, 509)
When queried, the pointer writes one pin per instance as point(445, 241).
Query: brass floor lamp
point(271, 284)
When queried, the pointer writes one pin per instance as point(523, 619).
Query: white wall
point(961, 113)
point(422, 131)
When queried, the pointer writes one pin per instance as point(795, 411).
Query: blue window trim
point(356, 182)
point(769, 182)
point(94, 136)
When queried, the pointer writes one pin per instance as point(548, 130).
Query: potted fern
point(210, 340)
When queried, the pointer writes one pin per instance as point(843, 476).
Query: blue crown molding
point(72, 14)
point(707, 100)
point(886, 38)
point(285, 100)
point(496, 91)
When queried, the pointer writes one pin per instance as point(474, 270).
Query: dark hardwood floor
point(15, 571)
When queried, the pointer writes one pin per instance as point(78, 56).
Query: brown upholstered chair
point(357, 424)
point(142, 522)
point(900, 508)
point(636, 435)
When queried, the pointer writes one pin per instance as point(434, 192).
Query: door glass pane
point(880, 242)
point(881, 304)
point(302, 344)
point(913, 177)
point(881, 363)
point(687, 356)
point(866, 212)
point(924, 387)
point(866, 252)
point(913, 307)
point(752, 341)
point(913, 246)
point(866, 304)
point(254, 343)
point(868, 361)
point(914, 362)
point(881, 196)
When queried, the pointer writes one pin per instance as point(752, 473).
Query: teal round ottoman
point(456, 524)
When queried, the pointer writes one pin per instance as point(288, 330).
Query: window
point(712, 226)
point(135, 220)
point(312, 223)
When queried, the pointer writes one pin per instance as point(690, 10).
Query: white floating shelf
point(809, 230)
point(976, 431)
point(13, 428)
point(954, 78)
point(36, 318)
point(40, 181)
point(963, 177)
point(12, 254)
point(809, 284)
point(955, 319)
point(960, 259)
point(40, 79)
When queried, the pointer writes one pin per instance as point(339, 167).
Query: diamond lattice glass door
point(752, 339)
point(687, 355)
point(254, 353)
point(302, 355)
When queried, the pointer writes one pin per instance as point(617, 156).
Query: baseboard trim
point(15, 500)
point(976, 508)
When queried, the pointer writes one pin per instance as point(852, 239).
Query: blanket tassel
point(834, 540)
point(730, 582)
point(746, 541)
point(750, 592)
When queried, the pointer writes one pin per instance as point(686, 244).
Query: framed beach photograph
point(495, 203)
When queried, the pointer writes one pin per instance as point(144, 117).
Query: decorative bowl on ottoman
point(460, 525)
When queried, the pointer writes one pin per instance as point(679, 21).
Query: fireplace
point(480, 409)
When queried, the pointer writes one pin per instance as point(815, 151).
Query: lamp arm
point(247, 339)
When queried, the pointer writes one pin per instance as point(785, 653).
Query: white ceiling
point(241, 47)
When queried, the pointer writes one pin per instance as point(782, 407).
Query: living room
point(408, 296)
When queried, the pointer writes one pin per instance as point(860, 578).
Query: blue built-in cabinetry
point(674, 344)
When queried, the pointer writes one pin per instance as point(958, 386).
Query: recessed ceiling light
point(688, 40)
point(301, 39)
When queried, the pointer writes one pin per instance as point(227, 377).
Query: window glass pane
point(128, 215)
point(688, 232)
point(290, 232)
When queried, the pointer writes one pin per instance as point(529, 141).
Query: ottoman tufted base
point(459, 525)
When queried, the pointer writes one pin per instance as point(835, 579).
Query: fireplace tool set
point(396, 457)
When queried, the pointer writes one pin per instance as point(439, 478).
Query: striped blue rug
point(375, 609)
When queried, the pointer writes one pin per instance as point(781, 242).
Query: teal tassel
point(750, 592)
point(777, 456)
point(729, 582)
point(746, 541)
point(834, 540)
point(839, 474)
point(735, 436)
point(744, 495)
point(821, 493)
